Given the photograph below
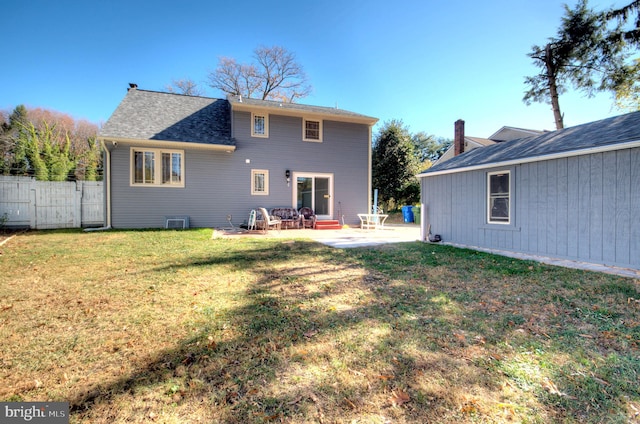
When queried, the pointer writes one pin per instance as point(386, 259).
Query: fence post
point(33, 206)
point(77, 212)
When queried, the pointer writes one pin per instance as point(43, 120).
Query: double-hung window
point(259, 182)
point(157, 167)
point(259, 125)
point(312, 130)
point(499, 197)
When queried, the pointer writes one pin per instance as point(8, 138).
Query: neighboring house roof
point(297, 109)
point(151, 115)
point(503, 134)
point(479, 141)
point(608, 134)
point(470, 143)
point(511, 133)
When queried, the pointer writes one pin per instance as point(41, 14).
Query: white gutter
point(370, 167)
point(291, 110)
point(171, 144)
point(589, 151)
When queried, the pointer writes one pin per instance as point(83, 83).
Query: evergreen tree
point(48, 145)
point(430, 148)
point(395, 164)
point(622, 15)
point(582, 55)
point(91, 160)
point(60, 163)
point(35, 153)
point(17, 142)
point(627, 92)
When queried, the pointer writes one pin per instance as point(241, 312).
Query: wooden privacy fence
point(25, 202)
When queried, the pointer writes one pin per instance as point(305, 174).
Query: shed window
point(499, 197)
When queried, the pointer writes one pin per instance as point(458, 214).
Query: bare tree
point(185, 86)
point(275, 75)
point(234, 78)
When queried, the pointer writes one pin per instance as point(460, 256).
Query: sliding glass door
point(316, 192)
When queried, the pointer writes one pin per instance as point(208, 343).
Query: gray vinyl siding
point(343, 152)
point(218, 183)
point(581, 208)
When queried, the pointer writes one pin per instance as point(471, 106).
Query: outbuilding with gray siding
point(568, 194)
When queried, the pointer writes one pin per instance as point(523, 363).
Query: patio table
point(372, 220)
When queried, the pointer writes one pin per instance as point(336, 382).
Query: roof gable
point(480, 142)
point(150, 115)
point(507, 133)
point(605, 134)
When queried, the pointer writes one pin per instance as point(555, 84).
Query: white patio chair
point(269, 221)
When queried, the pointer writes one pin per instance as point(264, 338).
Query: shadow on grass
point(407, 332)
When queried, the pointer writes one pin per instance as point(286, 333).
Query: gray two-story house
point(170, 155)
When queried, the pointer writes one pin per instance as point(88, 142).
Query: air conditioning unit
point(176, 222)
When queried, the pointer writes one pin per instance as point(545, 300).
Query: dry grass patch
point(173, 327)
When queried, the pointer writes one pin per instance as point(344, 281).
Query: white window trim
point(266, 125)
point(157, 177)
point(304, 130)
point(508, 221)
point(266, 182)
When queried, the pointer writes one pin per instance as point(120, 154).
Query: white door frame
point(294, 194)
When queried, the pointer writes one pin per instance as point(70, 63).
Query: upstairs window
point(259, 125)
point(157, 167)
point(259, 182)
point(312, 130)
point(499, 197)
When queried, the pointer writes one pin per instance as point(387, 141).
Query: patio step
point(329, 224)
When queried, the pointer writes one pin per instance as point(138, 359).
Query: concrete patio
point(343, 238)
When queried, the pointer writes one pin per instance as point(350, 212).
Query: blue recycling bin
point(407, 213)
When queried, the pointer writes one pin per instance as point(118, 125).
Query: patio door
point(316, 192)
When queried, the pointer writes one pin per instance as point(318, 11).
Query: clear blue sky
point(426, 62)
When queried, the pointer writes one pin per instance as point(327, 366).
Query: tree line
point(48, 145)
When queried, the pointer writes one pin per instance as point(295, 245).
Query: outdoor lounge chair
point(308, 217)
point(288, 216)
point(267, 221)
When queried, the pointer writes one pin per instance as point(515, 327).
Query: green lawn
point(174, 327)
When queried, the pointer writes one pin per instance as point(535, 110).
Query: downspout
point(107, 188)
point(369, 180)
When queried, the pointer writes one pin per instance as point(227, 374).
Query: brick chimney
point(458, 137)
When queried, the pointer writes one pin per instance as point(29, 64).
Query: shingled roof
point(297, 109)
point(151, 115)
point(608, 134)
